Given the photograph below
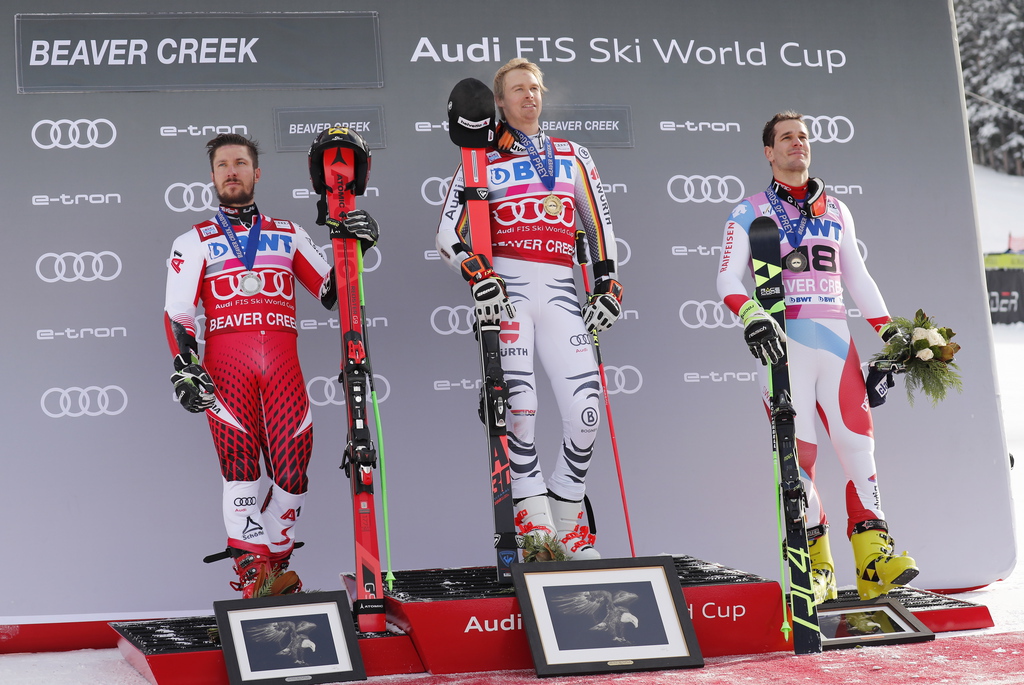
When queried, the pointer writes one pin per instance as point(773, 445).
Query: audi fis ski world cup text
point(602, 50)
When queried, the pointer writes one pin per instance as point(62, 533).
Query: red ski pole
point(581, 257)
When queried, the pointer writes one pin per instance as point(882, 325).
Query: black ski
point(769, 292)
point(471, 127)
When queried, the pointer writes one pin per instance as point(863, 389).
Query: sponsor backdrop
point(111, 492)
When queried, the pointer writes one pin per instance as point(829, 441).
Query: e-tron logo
point(109, 400)
point(707, 314)
point(434, 190)
point(448, 320)
point(65, 134)
point(196, 197)
point(829, 129)
point(625, 379)
point(700, 189)
point(323, 390)
point(85, 266)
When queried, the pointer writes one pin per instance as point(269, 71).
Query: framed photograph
point(605, 616)
point(299, 638)
point(858, 624)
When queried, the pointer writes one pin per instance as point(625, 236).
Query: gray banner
point(68, 53)
point(109, 485)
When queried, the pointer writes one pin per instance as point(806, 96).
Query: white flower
point(935, 338)
point(918, 334)
point(925, 354)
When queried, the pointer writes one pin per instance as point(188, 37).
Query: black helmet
point(339, 137)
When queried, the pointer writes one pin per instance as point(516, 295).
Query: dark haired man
point(242, 266)
point(820, 255)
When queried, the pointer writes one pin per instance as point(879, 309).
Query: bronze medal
point(796, 262)
point(553, 205)
point(250, 283)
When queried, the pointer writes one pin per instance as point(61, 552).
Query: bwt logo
point(85, 266)
point(195, 197)
point(325, 390)
point(65, 134)
point(825, 129)
point(699, 189)
point(109, 400)
point(435, 189)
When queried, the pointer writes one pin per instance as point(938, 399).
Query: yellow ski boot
point(823, 576)
point(879, 569)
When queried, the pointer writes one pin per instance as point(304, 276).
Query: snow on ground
point(1000, 208)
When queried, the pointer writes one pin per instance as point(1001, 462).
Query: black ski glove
point(193, 387)
point(879, 381)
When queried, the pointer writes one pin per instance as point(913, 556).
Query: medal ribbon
point(545, 168)
point(794, 234)
point(252, 242)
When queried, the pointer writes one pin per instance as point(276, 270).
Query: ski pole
point(581, 257)
point(389, 577)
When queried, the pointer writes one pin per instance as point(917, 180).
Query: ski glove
point(763, 335)
point(879, 381)
point(193, 387)
point(356, 224)
point(604, 307)
point(489, 294)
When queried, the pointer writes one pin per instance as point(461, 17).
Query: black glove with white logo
point(193, 387)
point(880, 379)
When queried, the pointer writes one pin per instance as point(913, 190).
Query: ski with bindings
point(769, 292)
point(343, 152)
point(471, 128)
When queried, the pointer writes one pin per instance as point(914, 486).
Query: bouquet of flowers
point(923, 352)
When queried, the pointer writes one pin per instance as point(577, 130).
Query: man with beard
point(243, 265)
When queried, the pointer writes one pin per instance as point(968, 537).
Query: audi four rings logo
point(196, 197)
point(625, 379)
point(829, 129)
point(707, 314)
point(323, 391)
point(85, 266)
point(65, 133)
point(580, 340)
point(109, 400)
point(448, 320)
point(434, 190)
point(245, 501)
point(705, 189)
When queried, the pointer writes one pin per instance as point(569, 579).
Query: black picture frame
point(267, 641)
point(570, 609)
point(876, 622)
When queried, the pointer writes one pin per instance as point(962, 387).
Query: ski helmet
point(339, 137)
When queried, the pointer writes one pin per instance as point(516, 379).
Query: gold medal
point(553, 205)
point(250, 283)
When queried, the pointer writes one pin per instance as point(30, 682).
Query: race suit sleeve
point(857, 280)
point(735, 260)
point(184, 283)
point(310, 265)
point(592, 211)
point(452, 239)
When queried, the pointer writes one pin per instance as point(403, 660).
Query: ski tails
point(471, 127)
point(792, 499)
point(345, 165)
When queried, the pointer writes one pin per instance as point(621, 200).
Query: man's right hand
point(193, 387)
point(489, 294)
point(763, 335)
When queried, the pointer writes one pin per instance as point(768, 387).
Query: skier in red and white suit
point(540, 190)
point(249, 381)
point(824, 368)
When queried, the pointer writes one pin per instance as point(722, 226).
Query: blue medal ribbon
point(545, 168)
point(794, 234)
point(248, 256)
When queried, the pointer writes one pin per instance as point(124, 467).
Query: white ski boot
point(575, 538)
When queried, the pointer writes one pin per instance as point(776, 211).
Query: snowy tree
point(991, 36)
